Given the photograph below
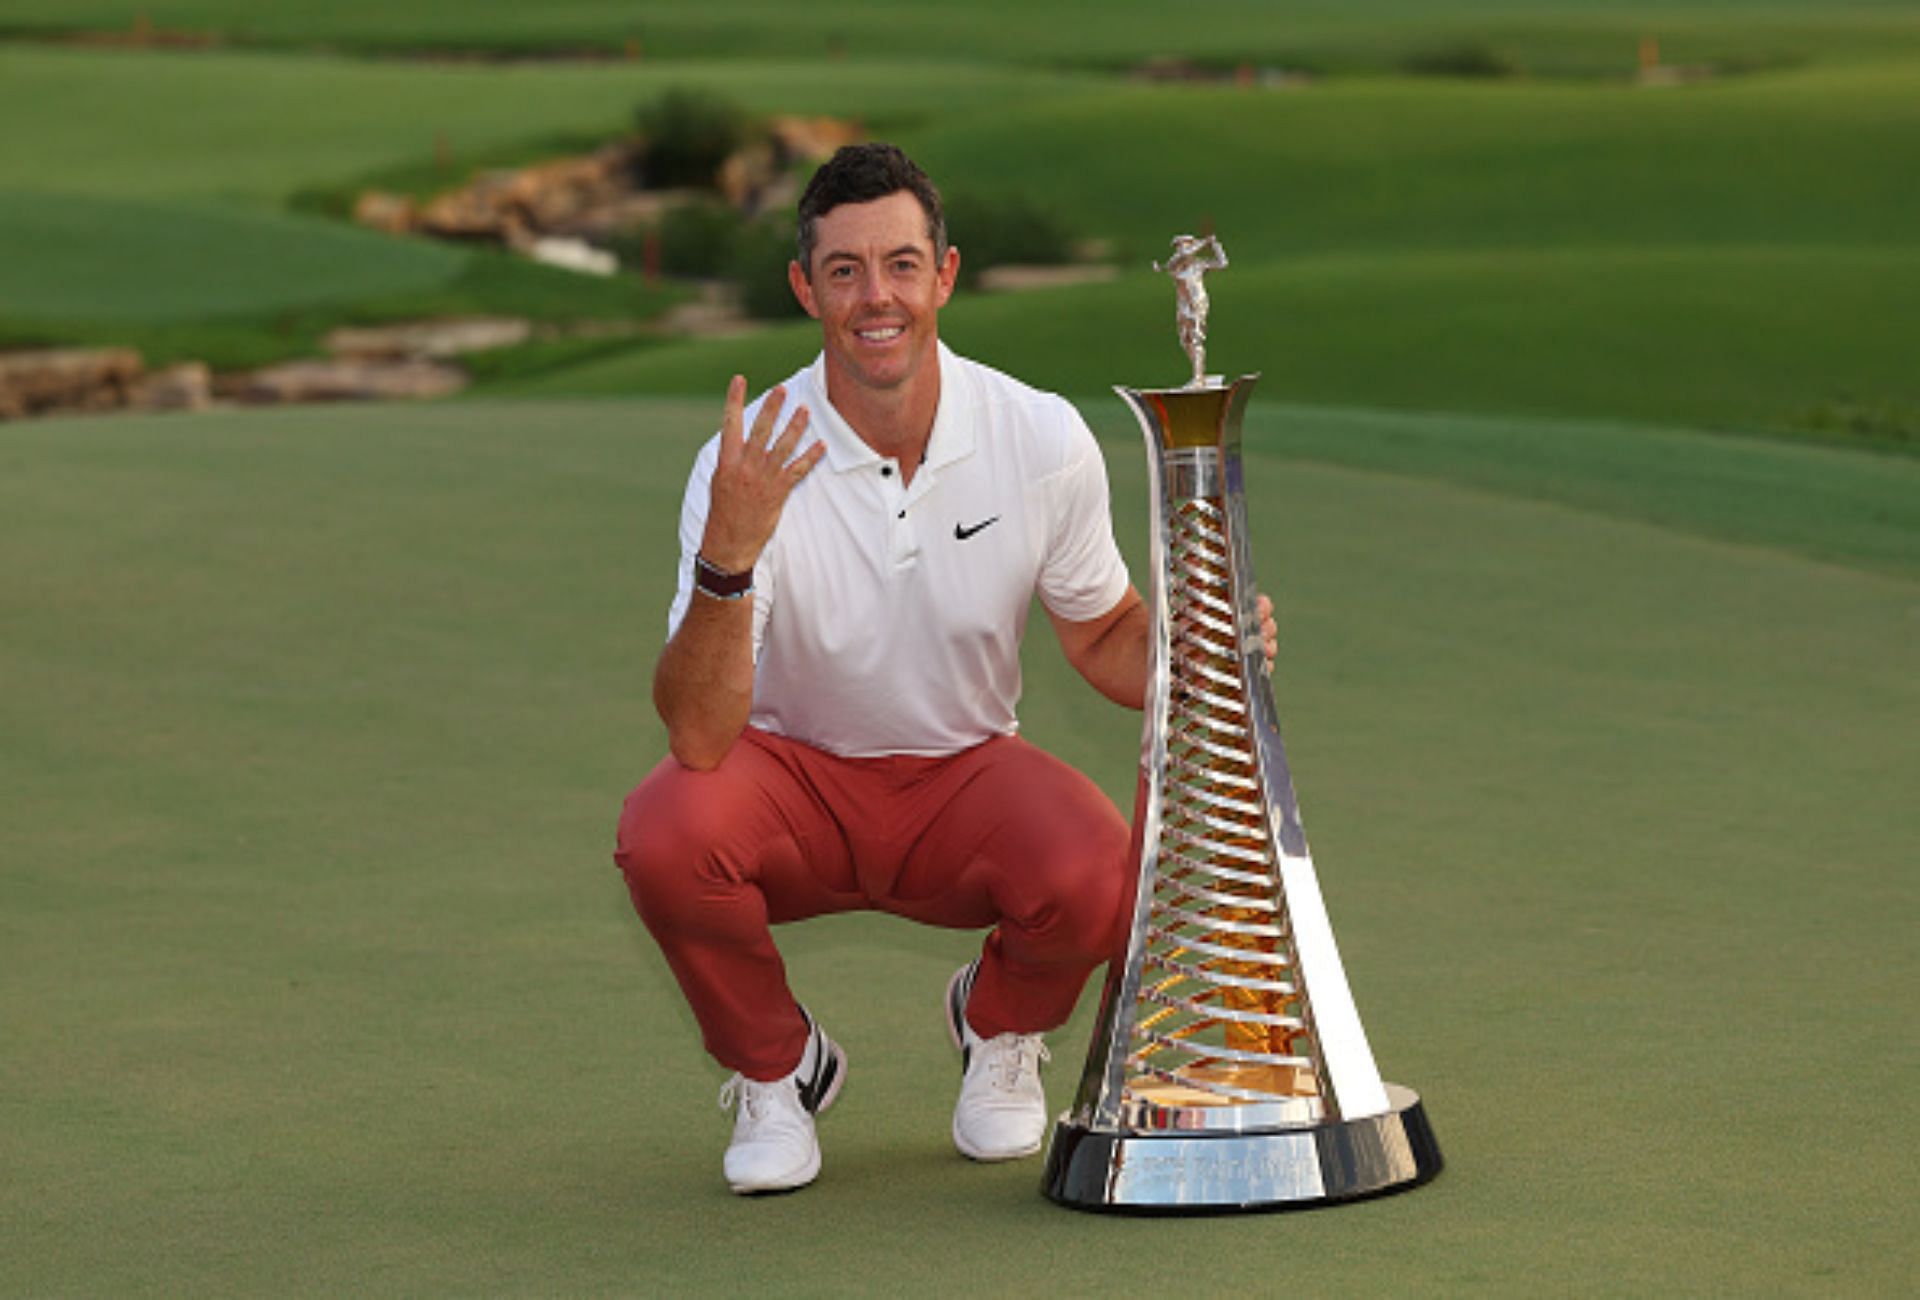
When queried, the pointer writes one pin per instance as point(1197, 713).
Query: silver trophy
point(1228, 1068)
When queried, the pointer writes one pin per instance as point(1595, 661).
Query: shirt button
point(886, 471)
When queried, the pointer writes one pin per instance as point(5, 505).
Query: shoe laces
point(1009, 1058)
point(755, 1098)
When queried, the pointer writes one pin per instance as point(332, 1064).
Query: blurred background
point(1700, 213)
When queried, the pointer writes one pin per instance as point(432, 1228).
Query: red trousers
point(1001, 835)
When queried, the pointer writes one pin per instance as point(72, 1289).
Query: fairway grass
point(1734, 255)
point(264, 126)
point(118, 262)
point(1819, 156)
point(317, 976)
point(1756, 339)
point(1547, 36)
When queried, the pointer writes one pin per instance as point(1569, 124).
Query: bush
point(1460, 61)
point(689, 133)
point(699, 239)
point(695, 240)
point(1885, 420)
point(1004, 231)
point(761, 253)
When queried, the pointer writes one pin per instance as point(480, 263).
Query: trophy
point(1228, 1068)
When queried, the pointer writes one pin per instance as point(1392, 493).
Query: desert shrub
point(760, 256)
point(1882, 420)
point(689, 133)
point(694, 240)
point(699, 239)
point(1460, 61)
point(1004, 230)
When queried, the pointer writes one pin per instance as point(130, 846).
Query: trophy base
point(1279, 1169)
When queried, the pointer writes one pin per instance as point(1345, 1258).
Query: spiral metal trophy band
point(1228, 1069)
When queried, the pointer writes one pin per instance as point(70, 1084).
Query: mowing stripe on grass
point(1772, 339)
point(76, 257)
point(1551, 36)
point(263, 126)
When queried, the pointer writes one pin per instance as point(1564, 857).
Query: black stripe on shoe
point(958, 993)
point(817, 1089)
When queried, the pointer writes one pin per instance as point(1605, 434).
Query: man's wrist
point(722, 584)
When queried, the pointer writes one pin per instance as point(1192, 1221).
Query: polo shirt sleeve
point(693, 526)
point(1082, 575)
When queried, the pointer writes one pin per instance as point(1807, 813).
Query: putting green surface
point(317, 976)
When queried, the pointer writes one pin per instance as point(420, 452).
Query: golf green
point(318, 978)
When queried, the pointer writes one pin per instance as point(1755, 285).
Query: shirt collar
point(951, 439)
point(952, 436)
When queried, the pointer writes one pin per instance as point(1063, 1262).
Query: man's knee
point(1080, 889)
point(671, 831)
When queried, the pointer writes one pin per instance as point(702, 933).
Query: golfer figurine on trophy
point(1228, 1068)
point(1192, 258)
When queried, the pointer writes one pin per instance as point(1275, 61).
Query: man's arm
point(1111, 651)
point(703, 684)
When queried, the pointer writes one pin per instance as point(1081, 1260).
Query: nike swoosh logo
point(962, 534)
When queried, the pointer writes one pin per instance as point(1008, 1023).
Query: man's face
point(876, 289)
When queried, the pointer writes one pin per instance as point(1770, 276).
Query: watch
point(718, 583)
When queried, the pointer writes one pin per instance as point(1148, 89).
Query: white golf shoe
point(774, 1148)
point(1002, 1111)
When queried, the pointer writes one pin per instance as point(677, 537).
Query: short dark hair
point(861, 173)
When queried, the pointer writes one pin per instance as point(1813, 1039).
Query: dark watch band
point(718, 582)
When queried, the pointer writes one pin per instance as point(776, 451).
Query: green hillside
point(1550, 36)
point(1758, 339)
point(265, 126)
point(1819, 157)
point(112, 260)
point(1734, 254)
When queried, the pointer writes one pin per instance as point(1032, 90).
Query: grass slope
point(264, 126)
point(235, 286)
point(1557, 36)
point(1737, 255)
point(316, 973)
point(111, 260)
point(135, 212)
point(1825, 156)
point(1820, 157)
point(1744, 338)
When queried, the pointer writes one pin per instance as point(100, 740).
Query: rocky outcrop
point(380, 364)
point(184, 387)
point(1008, 278)
point(391, 214)
point(428, 338)
point(599, 196)
point(42, 381)
point(342, 380)
point(765, 174)
point(565, 197)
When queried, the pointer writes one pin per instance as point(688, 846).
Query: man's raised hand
point(756, 473)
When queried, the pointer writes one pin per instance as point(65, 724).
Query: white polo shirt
point(887, 619)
